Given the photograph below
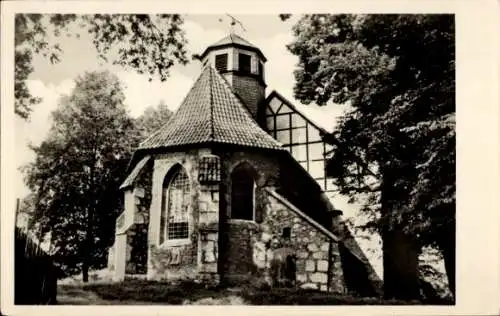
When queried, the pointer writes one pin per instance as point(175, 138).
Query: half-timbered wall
point(301, 138)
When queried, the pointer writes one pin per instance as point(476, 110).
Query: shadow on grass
point(139, 292)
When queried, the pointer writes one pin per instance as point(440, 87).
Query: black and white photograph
point(167, 158)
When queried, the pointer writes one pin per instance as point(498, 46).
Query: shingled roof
point(234, 40)
point(211, 113)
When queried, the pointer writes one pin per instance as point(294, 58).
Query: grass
point(140, 292)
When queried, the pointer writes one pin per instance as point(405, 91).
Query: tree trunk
point(449, 264)
point(88, 247)
point(85, 271)
point(400, 251)
point(447, 245)
point(90, 222)
point(401, 277)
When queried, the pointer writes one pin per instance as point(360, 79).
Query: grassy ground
point(137, 292)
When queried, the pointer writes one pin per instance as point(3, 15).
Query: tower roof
point(234, 41)
point(211, 113)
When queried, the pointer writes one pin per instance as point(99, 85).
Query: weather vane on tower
point(234, 21)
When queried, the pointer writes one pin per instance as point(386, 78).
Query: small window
point(244, 63)
point(242, 193)
point(287, 233)
point(209, 171)
point(221, 62)
point(261, 70)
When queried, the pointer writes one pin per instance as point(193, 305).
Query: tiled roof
point(234, 40)
point(211, 113)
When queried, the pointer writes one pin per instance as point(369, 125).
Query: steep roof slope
point(234, 40)
point(211, 113)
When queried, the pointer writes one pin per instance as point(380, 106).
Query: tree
point(397, 74)
point(153, 44)
point(78, 170)
point(153, 119)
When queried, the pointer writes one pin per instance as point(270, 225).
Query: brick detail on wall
point(249, 89)
point(317, 260)
point(258, 251)
point(192, 259)
point(174, 262)
point(241, 234)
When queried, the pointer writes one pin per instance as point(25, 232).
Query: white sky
point(48, 81)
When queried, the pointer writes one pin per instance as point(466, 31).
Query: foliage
point(149, 44)
point(397, 74)
point(284, 16)
point(430, 271)
point(153, 119)
point(394, 149)
point(78, 169)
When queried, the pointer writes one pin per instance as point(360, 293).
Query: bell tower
point(242, 65)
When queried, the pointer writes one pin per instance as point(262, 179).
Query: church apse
point(184, 218)
point(228, 201)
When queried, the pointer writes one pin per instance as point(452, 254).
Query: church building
point(232, 189)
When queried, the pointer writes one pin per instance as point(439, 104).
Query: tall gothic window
point(242, 193)
point(175, 206)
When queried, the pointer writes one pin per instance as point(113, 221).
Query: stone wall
point(208, 255)
point(252, 250)
point(317, 259)
point(239, 236)
point(185, 259)
point(311, 248)
point(240, 250)
point(173, 262)
point(257, 249)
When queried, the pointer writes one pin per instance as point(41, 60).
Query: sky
point(49, 81)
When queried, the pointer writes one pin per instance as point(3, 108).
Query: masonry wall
point(237, 240)
point(318, 261)
point(253, 250)
point(248, 88)
point(187, 259)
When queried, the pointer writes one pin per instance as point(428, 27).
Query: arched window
point(242, 193)
point(175, 205)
